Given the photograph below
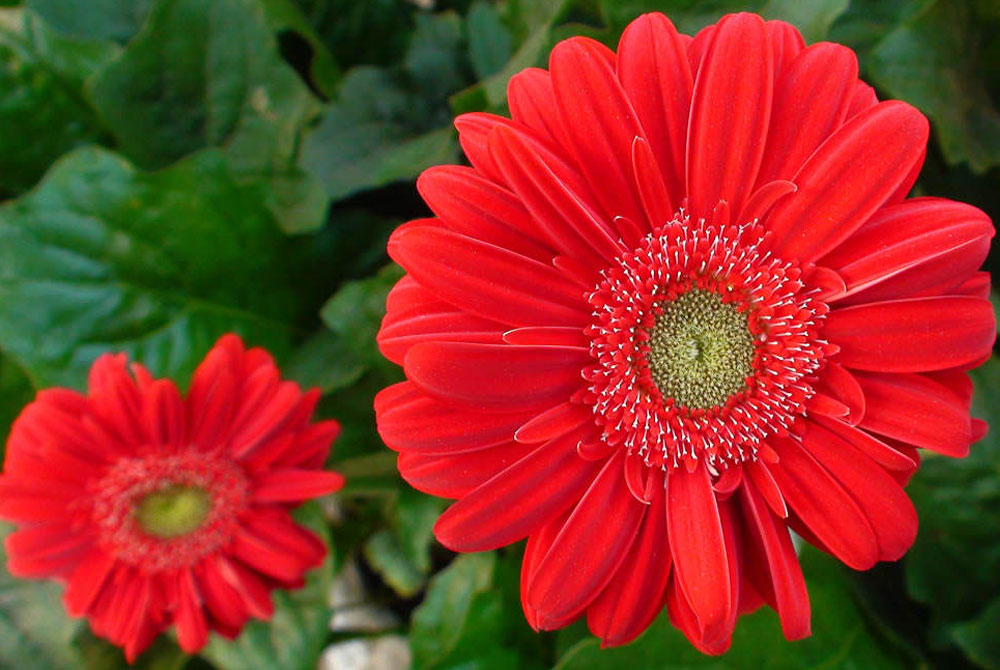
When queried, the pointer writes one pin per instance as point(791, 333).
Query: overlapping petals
point(78, 467)
point(742, 126)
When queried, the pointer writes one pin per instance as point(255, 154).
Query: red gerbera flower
point(677, 306)
point(157, 510)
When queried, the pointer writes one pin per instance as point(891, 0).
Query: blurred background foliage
point(174, 169)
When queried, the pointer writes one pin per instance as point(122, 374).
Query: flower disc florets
point(162, 512)
point(705, 343)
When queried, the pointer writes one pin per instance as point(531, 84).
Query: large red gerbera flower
point(157, 510)
point(677, 306)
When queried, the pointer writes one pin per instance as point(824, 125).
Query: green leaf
point(979, 639)
point(813, 19)
point(204, 74)
point(101, 257)
point(389, 124)
point(841, 638)
point(413, 523)
point(489, 39)
point(438, 623)
point(15, 393)
point(932, 60)
point(294, 637)
point(115, 20)
point(364, 140)
point(355, 314)
point(284, 16)
point(41, 96)
point(34, 629)
point(954, 566)
point(384, 554)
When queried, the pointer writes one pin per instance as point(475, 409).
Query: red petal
point(163, 414)
point(572, 226)
point(656, 76)
point(847, 179)
point(599, 121)
point(498, 378)
point(904, 236)
point(486, 280)
point(730, 111)
point(888, 510)
point(564, 336)
point(221, 599)
point(650, 185)
point(518, 500)
point(878, 451)
point(636, 593)
point(192, 631)
point(295, 485)
point(810, 102)
point(786, 580)
point(554, 423)
point(840, 384)
point(455, 475)
point(536, 549)
point(698, 546)
point(824, 506)
point(400, 332)
point(765, 485)
point(87, 581)
point(532, 101)
point(409, 420)
point(918, 411)
point(786, 43)
point(589, 548)
point(478, 208)
point(913, 335)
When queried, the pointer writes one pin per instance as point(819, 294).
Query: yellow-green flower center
point(701, 350)
point(174, 511)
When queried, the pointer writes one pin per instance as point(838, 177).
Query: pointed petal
point(400, 332)
point(698, 546)
point(532, 101)
point(915, 335)
point(918, 411)
point(518, 500)
point(847, 179)
point(635, 595)
point(476, 207)
point(823, 505)
point(887, 508)
point(295, 485)
point(589, 548)
point(599, 121)
point(786, 580)
point(498, 378)
point(455, 475)
point(810, 102)
point(554, 423)
point(486, 280)
point(840, 384)
point(730, 112)
point(650, 185)
point(656, 76)
point(409, 420)
point(571, 225)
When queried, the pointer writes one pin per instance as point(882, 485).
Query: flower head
point(158, 510)
point(678, 306)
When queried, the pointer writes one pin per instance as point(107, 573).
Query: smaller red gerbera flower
point(156, 509)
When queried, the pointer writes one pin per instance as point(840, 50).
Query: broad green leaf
point(35, 631)
point(96, 653)
point(489, 39)
point(205, 74)
point(115, 20)
point(325, 361)
point(979, 638)
point(294, 637)
point(42, 107)
point(932, 59)
point(373, 32)
point(102, 257)
point(389, 124)
point(471, 618)
point(413, 523)
point(954, 566)
point(438, 623)
point(841, 638)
